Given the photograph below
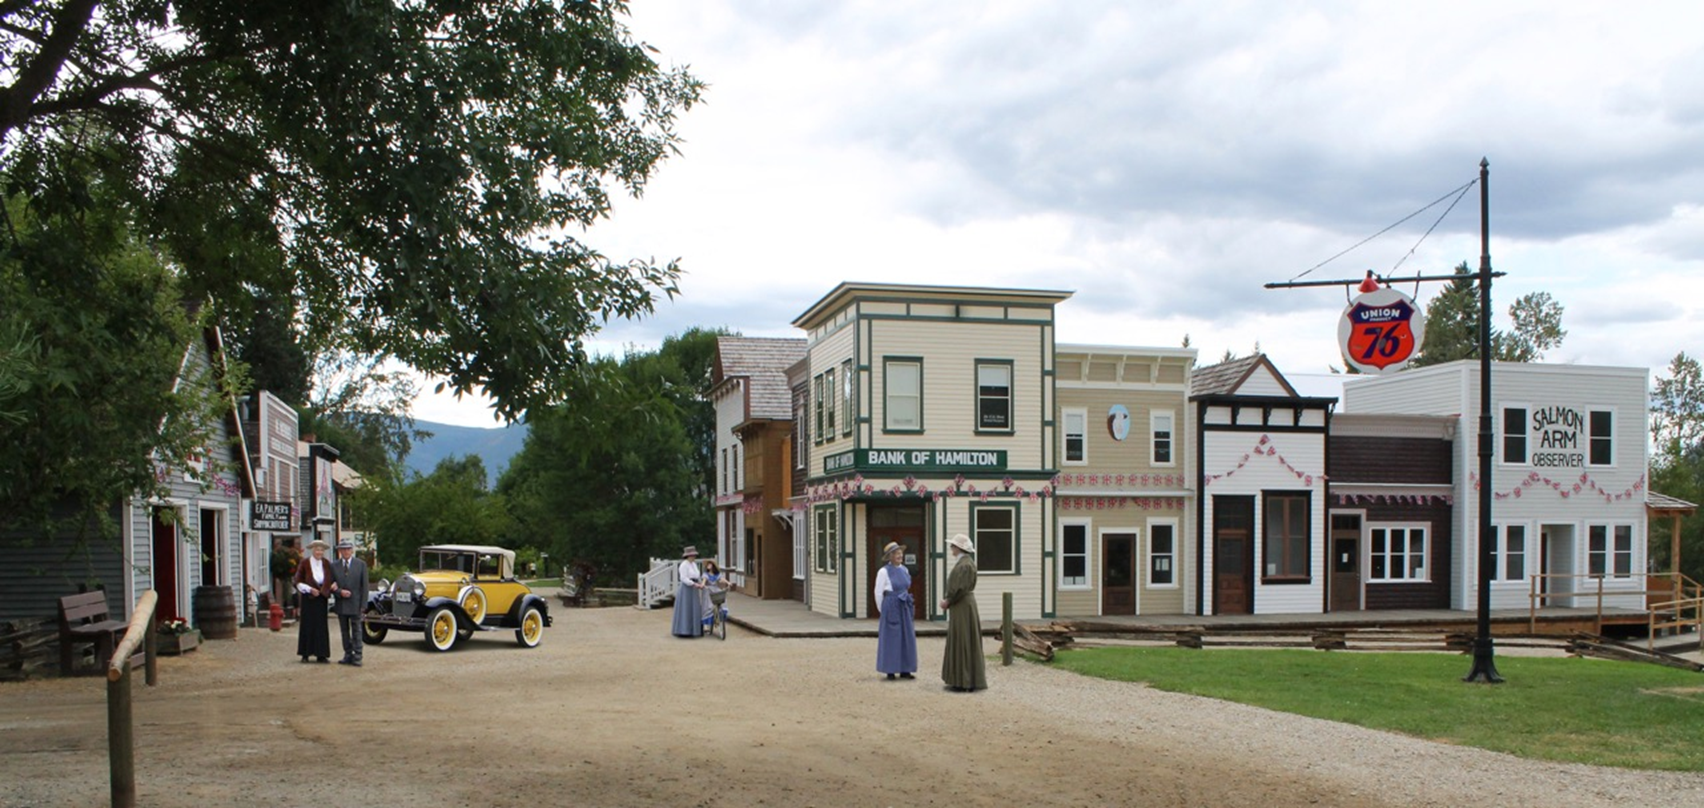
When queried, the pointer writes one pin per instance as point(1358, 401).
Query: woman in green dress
point(963, 668)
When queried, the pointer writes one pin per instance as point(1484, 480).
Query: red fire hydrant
point(275, 617)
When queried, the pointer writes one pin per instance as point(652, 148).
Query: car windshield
point(490, 566)
point(453, 562)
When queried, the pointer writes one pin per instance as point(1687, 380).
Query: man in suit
point(349, 576)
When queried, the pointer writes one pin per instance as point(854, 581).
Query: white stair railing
point(659, 583)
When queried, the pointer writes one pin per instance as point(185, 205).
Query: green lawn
point(1579, 710)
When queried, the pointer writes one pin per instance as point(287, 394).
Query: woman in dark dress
point(313, 581)
point(963, 668)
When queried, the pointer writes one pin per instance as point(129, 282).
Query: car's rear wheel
point(372, 634)
point(441, 629)
point(473, 602)
point(532, 628)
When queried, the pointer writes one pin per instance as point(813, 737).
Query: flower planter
point(173, 644)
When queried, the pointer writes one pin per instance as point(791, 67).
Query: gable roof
point(763, 362)
point(1225, 378)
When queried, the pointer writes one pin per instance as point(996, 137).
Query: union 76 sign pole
point(1379, 333)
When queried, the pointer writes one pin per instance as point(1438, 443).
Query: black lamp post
point(1484, 663)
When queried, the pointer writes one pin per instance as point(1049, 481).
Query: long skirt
point(962, 666)
point(313, 635)
point(689, 611)
point(896, 636)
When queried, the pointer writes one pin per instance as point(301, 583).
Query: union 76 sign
point(1381, 330)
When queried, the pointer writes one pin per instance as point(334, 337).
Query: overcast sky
point(1164, 160)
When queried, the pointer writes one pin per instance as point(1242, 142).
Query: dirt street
point(611, 711)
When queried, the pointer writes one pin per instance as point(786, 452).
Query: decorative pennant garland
point(1395, 499)
point(1585, 486)
point(1265, 447)
point(1133, 479)
point(1120, 503)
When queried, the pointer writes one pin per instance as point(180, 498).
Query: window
point(846, 401)
point(799, 407)
point(1602, 425)
point(1398, 553)
point(904, 383)
point(1511, 560)
point(1074, 554)
point(816, 406)
point(829, 392)
point(737, 466)
point(994, 396)
point(1076, 436)
point(1285, 541)
point(996, 533)
point(827, 535)
point(724, 469)
point(1515, 436)
point(801, 552)
point(1606, 556)
point(1162, 553)
point(1162, 426)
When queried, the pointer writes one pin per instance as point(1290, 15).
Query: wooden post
point(1532, 603)
point(121, 743)
point(1600, 602)
point(1006, 629)
point(1674, 554)
point(149, 648)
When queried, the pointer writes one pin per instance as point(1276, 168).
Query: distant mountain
point(493, 445)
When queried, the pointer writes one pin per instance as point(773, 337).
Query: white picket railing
point(659, 583)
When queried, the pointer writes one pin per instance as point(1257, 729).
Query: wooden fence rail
point(121, 738)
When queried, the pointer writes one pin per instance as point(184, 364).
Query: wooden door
point(165, 565)
point(1345, 563)
point(1233, 555)
point(1118, 573)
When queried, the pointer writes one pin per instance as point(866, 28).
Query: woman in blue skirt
point(896, 634)
point(689, 597)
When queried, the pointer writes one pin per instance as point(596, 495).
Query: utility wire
point(1441, 217)
point(1458, 192)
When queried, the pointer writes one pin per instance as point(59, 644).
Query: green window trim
point(825, 538)
point(889, 364)
point(829, 396)
point(1010, 398)
point(848, 400)
point(816, 406)
point(976, 531)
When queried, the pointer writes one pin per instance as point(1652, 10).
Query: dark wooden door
point(1118, 573)
point(1233, 555)
point(165, 566)
point(903, 524)
point(1345, 563)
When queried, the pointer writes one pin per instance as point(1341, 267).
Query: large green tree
point(1452, 325)
point(1677, 468)
point(618, 473)
point(449, 506)
point(418, 174)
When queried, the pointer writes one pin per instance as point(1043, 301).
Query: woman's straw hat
point(963, 542)
point(891, 546)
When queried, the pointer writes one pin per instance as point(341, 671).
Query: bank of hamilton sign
point(915, 460)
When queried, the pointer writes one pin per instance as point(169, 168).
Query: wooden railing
point(659, 582)
point(1684, 610)
point(1536, 598)
point(121, 739)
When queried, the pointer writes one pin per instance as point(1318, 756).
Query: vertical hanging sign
point(1381, 330)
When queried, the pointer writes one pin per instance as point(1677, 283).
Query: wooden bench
point(84, 618)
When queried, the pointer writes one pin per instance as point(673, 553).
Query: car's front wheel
point(373, 635)
point(441, 629)
point(532, 628)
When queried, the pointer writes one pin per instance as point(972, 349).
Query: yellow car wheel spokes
point(473, 602)
point(441, 629)
point(532, 628)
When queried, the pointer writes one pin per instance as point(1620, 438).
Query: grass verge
point(1576, 710)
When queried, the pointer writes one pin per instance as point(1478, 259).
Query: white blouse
point(689, 572)
point(317, 568)
point(883, 586)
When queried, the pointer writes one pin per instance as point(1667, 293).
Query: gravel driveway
point(613, 711)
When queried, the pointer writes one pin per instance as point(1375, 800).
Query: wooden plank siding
point(36, 570)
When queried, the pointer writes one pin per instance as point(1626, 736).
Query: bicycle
point(719, 613)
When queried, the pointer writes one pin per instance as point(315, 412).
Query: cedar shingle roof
point(764, 362)
point(1664, 502)
point(1223, 378)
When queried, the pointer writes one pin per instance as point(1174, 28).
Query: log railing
point(1683, 611)
point(121, 739)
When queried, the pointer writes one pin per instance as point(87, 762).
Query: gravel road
point(611, 711)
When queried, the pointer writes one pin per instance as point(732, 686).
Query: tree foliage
point(1677, 468)
point(620, 472)
point(415, 174)
point(449, 506)
point(93, 333)
point(1452, 325)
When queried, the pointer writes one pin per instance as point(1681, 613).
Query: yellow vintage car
point(458, 589)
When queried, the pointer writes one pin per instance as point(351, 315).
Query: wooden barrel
point(215, 612)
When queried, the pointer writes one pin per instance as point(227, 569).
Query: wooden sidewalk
point(790, 618)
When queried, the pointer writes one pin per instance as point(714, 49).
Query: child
point(717, 588)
